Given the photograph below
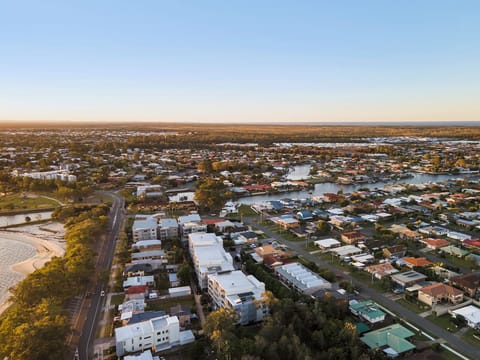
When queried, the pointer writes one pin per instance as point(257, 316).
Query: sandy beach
point(48, 241)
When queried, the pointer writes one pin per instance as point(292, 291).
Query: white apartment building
point(158, 334)
point(63, 175)
point(239, 292)
point(167, 229)
point(144, 228)
point(191, 224)
point(208, 255)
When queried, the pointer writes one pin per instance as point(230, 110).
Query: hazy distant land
point(278, 132)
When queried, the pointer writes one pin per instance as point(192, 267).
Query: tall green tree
point(211, 195)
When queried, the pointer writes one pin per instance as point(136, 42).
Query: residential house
point(147, 245)
point(367, 310)
point(407, 279)
point(173, 279)
point(435, 244)
point(471, 314)
point(396, 251)
point(454, 251)
point(149, 191)
point(149, 255)
point(247, 237)
point(345, 251)
point(381, 270)
point(286, 222)
point(436, 293)
point(138, 281)
point(136, 292)
point(352, 237)
point(469, 283)
point(326, 244)
point(412, 262)
point(239, 292)
point(179, 291)
point(391, 339)
point(305, 215)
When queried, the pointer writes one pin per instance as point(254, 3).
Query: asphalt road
point(402, 312)
point(104, 262)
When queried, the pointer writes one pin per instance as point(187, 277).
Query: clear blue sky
point(240, 61)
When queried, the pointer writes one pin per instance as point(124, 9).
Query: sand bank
point(48, 241)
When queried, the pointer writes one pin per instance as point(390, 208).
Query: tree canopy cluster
point(36, 325)
point(211, 195)
point(308, 330)
point(64, 190)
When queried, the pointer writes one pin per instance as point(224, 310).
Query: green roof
point(453, 250)
point(367, 309)
point(391, 336)
point(362, 327)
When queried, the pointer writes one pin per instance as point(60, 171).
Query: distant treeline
point(36, 325)
point(199, 135)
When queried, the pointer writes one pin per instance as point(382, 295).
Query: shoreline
point(48, 241)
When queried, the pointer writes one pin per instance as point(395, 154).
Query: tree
point(184, 273)
point(220, 329)
point(323, 228)
point(211, 195)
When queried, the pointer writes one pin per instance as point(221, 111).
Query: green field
point(19, 202)
point(413, 306)
point(444, 322)
point(166, 304)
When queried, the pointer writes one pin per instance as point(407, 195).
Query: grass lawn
point(117, 299)
point(246, 210)
point(311, 247)
point(412, 306)
point(447, 355)
point(443, 321)
point(166, 304)
point(469, 338)
point(16, 202)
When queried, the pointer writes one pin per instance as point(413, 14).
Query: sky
point(240, 61)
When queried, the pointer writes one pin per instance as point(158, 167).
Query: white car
point(102, 293)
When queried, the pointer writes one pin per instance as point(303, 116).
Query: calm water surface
point(11, 252)
point(301, 172)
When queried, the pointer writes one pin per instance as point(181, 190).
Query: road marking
point(91, 328)
point(454, 351)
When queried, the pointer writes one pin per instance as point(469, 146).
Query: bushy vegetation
point(36, 325)
point(308, 330)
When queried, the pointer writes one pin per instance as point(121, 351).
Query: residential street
point(90, 309)
point(404, 313)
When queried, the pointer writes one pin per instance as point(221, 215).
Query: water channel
point(302, 172)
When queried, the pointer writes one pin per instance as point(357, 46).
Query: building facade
point(239, 292)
